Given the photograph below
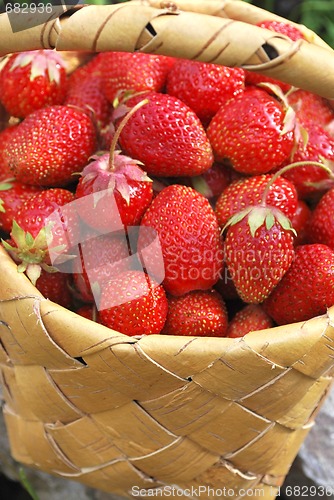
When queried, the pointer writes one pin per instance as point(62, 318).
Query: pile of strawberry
point(156, 195)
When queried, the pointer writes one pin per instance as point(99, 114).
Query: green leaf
point(4, 186)
point(18, 235)
point(237, 217)
point(270, 220)
point(256, 219)
point(284, 222)
point(200, 184)
point(29, 240)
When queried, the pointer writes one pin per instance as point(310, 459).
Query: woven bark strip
point(198, 414)
point(234, 9)
point(139, 26)
point(114, 412)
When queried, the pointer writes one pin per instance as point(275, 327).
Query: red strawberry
point(287, 29)
point(123, 183)
point(258, 251)
point(89, 96)
point(12, 195)
point(253, 78)
point(212, 182)
point(50, 145)
point(114, 187)
point(54, 286)
point(90, 70)
point(32, 80)
point(125, 71)
point(167, 136)
point(309, 179)
point(307, 289)
point(250, 318)
point(133, 304)
point(32, 261)
point(204, 87)
point(321, 224)
point(5, 137)
point(252, 132)
point(197, 313)
point(33, 215)
point(249, 191)
point(311, 107)
point(226, 287)
point(190, 240)
point(102, 257)
point(300, 222)
point(88, 311)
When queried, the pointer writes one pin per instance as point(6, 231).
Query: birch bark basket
point(113, 412)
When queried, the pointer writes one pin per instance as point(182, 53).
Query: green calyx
point(259, 216)
point(30, 253)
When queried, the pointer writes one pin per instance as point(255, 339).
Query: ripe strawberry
point(309, 179)
point(133, 304)
point(114, 186)
point(226, 287)
point(250, 318)
point(258, 251)
point(204, 87)
point(248, 191)
point(12, 195)
point(90, 70)
point(88, 311)
point(125, 71)
point(123, 182)
point(54, 286)
point(32, 80)
point(33, 215)
point(102, 257)
point(252, 78)
point(167, 136)
point(300, 222)
point(86, 91)
point(190, 239)
point(32, 261)
point(89, 97)
point(311, 107)
point(212, 182)
point(321, 224)
point(197, 313)
point(5, 137)
point(251, 131)
point(287, 29)
point(50, 145)
point(307, 289)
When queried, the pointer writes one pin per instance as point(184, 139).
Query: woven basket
point(208, 415)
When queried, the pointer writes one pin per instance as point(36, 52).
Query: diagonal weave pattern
point(114, 412)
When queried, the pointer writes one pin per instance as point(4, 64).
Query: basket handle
point(138, 25)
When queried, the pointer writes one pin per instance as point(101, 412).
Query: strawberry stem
point(120, 129)
point(285, 169)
